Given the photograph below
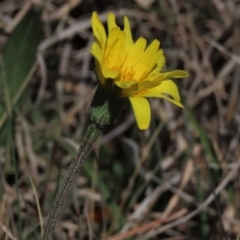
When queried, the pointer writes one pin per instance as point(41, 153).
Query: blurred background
point(177, 180)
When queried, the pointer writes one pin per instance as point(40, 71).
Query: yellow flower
point(133, 67)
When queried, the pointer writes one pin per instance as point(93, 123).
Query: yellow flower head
point(133, 67)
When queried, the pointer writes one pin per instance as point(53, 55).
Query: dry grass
point(177, 180)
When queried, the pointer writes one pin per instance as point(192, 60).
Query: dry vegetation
point(177, 180)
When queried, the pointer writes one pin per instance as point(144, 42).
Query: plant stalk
point(92, 132)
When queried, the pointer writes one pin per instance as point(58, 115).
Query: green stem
point(92, 132)
point(104, 109)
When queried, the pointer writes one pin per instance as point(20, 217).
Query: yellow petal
point(160, 64)
point(127, 30)
point(165, 87)
point(98, 72)
point(148, 60)
point(97, 52)
point(125, 84)
point(172, 101)
point(111, 22)
point(169, 87)
point(141, 111)
point(128, 88)
point(175, 74)
point(156, 92)
point(135, 53)
point(145, 85)
point(98, 30)
point(154, 77)
point(116, 48)
point(153, 47)
point(109, 73)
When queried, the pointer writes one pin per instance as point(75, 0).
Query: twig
point(37, 203)
point(7, 232)
point(208, 201)
point(43, 70)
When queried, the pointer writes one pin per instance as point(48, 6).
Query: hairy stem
point(92, 132)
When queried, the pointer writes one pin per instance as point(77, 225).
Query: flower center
point(126, 72)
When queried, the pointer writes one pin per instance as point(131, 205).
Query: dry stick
point(92, 132)
point(211, 197)
point(7, 232)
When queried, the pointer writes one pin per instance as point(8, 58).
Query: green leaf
point(16, 62)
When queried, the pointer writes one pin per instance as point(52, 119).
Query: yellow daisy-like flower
point(133, 67)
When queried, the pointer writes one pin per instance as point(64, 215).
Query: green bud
point(107, 104)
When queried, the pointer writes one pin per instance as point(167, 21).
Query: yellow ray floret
point(134, 67)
